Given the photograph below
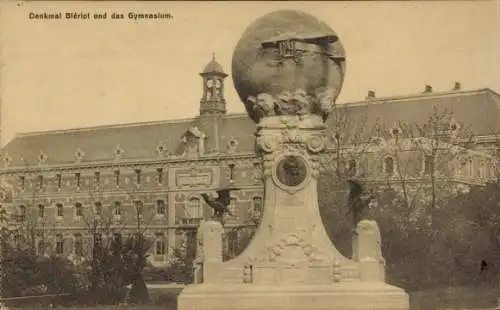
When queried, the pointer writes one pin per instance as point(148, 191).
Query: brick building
point(150, 175)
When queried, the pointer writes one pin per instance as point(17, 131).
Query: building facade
point(66, 184)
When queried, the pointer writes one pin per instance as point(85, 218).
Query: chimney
point(457, 86)
point(428, 89)
point(371, 94)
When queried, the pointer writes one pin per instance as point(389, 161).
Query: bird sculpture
point(221, 203)
point(357, 200)
point(484, 266)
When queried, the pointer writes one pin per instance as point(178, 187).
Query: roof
point(479, 109)
point(213, 67)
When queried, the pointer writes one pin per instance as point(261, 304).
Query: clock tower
point(212, 101)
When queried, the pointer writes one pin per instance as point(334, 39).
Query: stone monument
point(288, 69)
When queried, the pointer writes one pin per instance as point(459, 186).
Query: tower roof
point(213, 67)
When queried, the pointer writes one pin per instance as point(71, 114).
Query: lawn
point(163, 296)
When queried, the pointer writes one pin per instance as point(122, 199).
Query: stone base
point(338, 296)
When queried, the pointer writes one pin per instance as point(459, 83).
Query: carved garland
point(272, 253)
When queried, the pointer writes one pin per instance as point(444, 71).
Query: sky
point(59, 74)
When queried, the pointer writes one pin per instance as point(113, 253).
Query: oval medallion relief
point(291, 171)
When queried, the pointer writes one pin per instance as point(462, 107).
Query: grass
point(145, 307)
point(163, 301)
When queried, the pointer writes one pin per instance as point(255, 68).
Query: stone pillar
point(368, 252)
point(210, 249)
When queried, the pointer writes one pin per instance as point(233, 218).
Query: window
point(59, 180)
point(160, 207)
point(160, 244)
point(78, 248)
point(138, 207)
point(138, 176)
point(22, 212)
point(97, 178)
point(117, 177)
point(257, 205)
point(117, 239)
point(428, 164)
point(389, 165)
point(159, 173)
point(352, 168)
point(41, 210)
point(40, 181)
point(41, 247)
point(117, 210)
point(78, 209)
point(231, 172)
point(194, 208)
point(77, 179)
point(22, 180)
point(60, 210)
point(98, 208)
point(59, 244)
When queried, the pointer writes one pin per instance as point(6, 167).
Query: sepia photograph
point(250, 155)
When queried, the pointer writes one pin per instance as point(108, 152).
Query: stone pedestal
point(341, 296)
point(288, 69)
point(291, 262)
point(208, 260)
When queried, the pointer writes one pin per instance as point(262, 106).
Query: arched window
point(117, 209)
point(160, 207)
point(428, 164)
point(78, 248)
point(258, 205)
point(98, 208)
point(41, 211)
point(59, 244)
point(78, 209)
point(159, 174)
point(22, 212)
point(139, 206)
point(60, 210)
point(352, 168)
point(160, 244)
point(41, 247)
point(194, 208)
point(389, 165)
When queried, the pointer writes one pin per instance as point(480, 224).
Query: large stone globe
point(288, 63)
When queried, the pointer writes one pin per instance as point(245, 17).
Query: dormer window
point(161, 150)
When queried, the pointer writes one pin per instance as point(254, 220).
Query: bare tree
point(421, 160)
